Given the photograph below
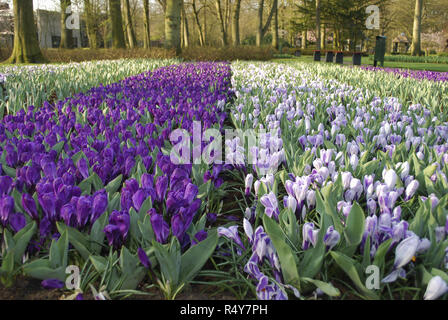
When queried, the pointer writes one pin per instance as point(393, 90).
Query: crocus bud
point(6, 209)
point(257, 187)
point(404, 170)
point(311, 198)
point(390, 178)
point(346, 178)
point(411, 189)
point(354, 161)
point(331, 238)
point(291, 203)
point(248, 183)
point(405, 250)
point(371, 205)
point(29, 205)
point(436, 288)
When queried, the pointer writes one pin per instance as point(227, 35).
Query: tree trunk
point(129, 25)
point(236, 24)
point(198, 23)
point(304, 37)
point(221, 23)
point(66, 33)
point(416, 41)
point(26, 45)
point(323, 37)
point(90, 23)
point(146, 25)
point(259, 38)
point(172, 24)
point(318, 35)
point(275, 26)
point(185, 31)
point(263, 29)
point(117, 24)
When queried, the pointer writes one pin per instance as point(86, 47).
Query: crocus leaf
point(76, 238)
point(21, 240)
point(286, 256)
point(132, 272)
point(59, 251)
point(326, 287)
point(355, 225)
point(114, 185)
point(348, 266)
point(194, 258)
point(99, 263)
point(97, 234)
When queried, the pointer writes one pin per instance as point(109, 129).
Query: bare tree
point(147, 34)
point(129, 25)
point(262, 29)
point(173, 10)
point(236, 23)
point(416, 33)
point(66, 33)
point(26, 45)
point(117, 24)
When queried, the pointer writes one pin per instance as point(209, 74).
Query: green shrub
point(227, 54)
point(188, 54)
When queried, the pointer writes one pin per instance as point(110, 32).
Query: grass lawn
point(369, 61)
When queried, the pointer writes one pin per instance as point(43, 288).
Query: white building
point(49, 30)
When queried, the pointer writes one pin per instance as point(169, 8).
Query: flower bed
point(94, 163)
point(361, 183)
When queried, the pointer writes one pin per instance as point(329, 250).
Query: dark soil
point(31, 289)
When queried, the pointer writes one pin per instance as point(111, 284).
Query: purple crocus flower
point(436, 288)
point(17, 221)
point(331, 238)
point(52, 284)
point(198, 237)
point(160, 227)
point(143, 258)
point(29, 205)
point(117, 229)
point(232, 234)
point(99, 205)
point(5, 185)
point(309, 235)
point(6, 209)
point(83, 210)
point(83, 168)
point(138, 198)
point(161, 186)
point(270, 203)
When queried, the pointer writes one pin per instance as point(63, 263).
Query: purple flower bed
point(416, 74)
point(93, 162)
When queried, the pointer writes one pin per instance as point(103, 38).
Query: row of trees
point(345, 19)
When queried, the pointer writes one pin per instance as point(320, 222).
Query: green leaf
point(169, 261)
point(348, 266)
point(326, 287)
point(40, 269)
point(97, 234)
point(76, 238)
point(194, 258)
point(132, 272)
point(99, 263)
point(355, 225)
point(21, 240)
point(285, 254)
point(114, 185)
point(59, 251)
